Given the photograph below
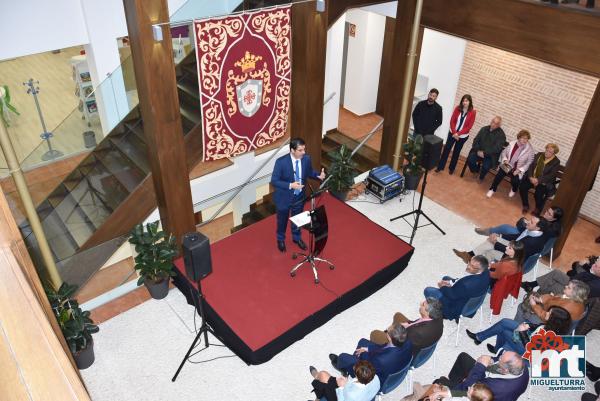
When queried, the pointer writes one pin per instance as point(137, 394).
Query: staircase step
point(336, 139)
point(135, 150)
point(189, 88)
point(128, 174)
point(190, 114)
point(75, 220)
point(137, 127)
point(60, 241)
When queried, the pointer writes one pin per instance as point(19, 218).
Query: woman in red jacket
point(461, 122)
point(511, 264)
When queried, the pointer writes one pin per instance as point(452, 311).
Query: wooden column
point(386, 59)
point(396, 70)
point(159, 106)
point(309, 46)
point(580, 170)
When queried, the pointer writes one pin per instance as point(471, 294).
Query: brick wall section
point(549, 101)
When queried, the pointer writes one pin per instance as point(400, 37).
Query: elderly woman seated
point(534, 307)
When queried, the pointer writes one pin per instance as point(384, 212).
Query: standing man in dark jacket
point(427, 115)
point(486, 148)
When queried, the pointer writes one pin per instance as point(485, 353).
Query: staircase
point(366, 157)
point(259, 210)
point(88, 215)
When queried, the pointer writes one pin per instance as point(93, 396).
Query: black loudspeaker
point(432, 149)
point(196, 256)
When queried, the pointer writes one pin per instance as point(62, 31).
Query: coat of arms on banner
point(244, 75)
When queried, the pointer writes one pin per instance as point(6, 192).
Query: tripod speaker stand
point(432, 148)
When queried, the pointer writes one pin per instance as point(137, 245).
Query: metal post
point(406, 95)
point(34, 221)
point(45, 135)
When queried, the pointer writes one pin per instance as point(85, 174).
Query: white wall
point(441, 61)
point(333, 73)
point(364, 61)
point(35, 26)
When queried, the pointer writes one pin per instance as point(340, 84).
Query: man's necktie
point(297, 177)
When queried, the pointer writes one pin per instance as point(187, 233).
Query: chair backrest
point(575, 323)
point(395, 379)
point(473, 305)
point(530, 262)
point(548, 246)
point(423, 355)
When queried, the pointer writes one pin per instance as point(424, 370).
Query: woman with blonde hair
point(541, 176)
point(514, 162)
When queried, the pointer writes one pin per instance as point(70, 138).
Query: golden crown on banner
point(248, 62)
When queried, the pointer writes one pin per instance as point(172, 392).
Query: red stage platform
point(258, 310)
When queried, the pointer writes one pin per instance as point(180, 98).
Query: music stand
point(317, 233)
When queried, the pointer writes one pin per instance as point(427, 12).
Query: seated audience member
point(511, 261)
point(514, 162)
point(454, 294)
point(422, 332)
point(541, 176)
point(534, 307)
point(592, 372)
point(514, 336)
point(590, 396)
point(532, 237)
point(364, 387)
point(581, 266)
point(386, 359)
point(555, 281)
point(553, 215)
point(505, 375)
point(434, 392)
point(486, 148)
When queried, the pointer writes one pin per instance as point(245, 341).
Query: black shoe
point(592, 372)
point(313, 371)
point(333, 358)
point(301, 244)
point(528, 286)
point(281, 246)
point(473, 337)
point(450, 172)
point(437, 170)
point(491, 348)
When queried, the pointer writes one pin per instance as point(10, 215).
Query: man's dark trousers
point(283, 215)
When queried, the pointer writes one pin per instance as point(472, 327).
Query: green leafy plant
point(75, 323)
point(341, 172)
point(155, 252)
point(412, 152)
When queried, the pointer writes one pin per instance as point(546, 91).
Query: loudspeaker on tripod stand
point(196, 256)
point(432, 150)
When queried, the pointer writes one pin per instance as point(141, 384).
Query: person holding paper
point(289, 177)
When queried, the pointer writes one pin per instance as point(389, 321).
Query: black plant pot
point(85, 358)
point(157, 289)
point(411, 182)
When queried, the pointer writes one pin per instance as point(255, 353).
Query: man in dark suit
point(289, 177)
point(506, 375)
point(386, 359)
point(422, 332)
point(454, 294)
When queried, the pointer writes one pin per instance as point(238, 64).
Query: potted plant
point(341, 173)
point(154, 260)
point(76, 324)
point(412, 170)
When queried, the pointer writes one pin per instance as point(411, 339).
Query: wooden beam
point(580, 170)
point(396, 70)
point(386, 59)
point(335, 8)
point(309, 47)
point(557, 35)
point(159, 107)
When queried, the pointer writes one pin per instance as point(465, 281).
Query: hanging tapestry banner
point(244, 73)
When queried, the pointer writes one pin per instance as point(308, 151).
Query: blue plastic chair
point(394, 380)
point(419, 360)
point(531, 262)
point(548, 249)
point(575, 323)
point(469, 310)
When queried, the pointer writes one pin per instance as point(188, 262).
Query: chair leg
point(551, 256)
point(457, 333)
point(410, 381)
point(490, 322)
point(529, 392)
point(480, 318)
point(513, 302)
